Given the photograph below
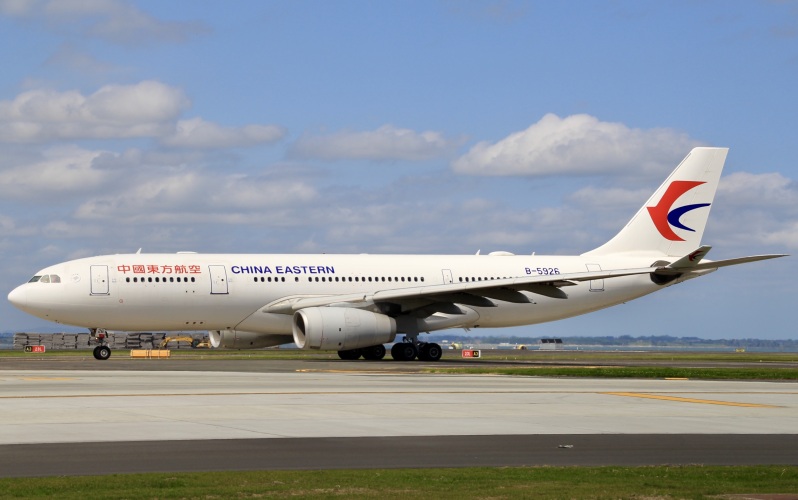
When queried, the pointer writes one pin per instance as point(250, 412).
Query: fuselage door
point(447, 276)
point(218, 280)
point(595, 285)
point(99, 280)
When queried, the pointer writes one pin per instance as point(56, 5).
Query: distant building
point(550, 344)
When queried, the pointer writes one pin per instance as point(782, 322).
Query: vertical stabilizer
point(672, 221)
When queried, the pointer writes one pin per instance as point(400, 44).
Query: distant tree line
point(627, 340)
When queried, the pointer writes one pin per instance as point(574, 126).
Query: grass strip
point(746, 373)
point(696, 482)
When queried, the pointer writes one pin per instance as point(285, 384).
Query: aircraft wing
point(475, 293)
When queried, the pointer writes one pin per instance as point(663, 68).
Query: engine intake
point(341, 328)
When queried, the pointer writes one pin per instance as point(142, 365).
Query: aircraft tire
point(374, 353)
point(404, 351)
point(102, 352)
point(430, 352)
point(350, 354)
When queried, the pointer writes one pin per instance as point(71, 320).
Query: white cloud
point(145, 109)
point(577, 145)
point(60, 171)
point(786, 236)
point(109, 20)
point(192, 197)
point(743, 188)
point(385, 143)
point(761, 208)
point(196, 133)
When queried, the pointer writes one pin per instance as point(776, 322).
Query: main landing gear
point(408, 350)
point(373, 353)
point(102, 351)
point(411, 349)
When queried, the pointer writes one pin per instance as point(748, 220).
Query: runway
point(102, 421)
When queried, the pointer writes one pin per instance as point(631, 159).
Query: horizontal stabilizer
point(674, 269)
point(692, 259)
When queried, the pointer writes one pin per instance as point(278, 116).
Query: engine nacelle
point(341, 328)
point(236, 339)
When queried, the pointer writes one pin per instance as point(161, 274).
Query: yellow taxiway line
point(688, 400)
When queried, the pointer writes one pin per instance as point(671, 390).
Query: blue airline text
point(283, 270)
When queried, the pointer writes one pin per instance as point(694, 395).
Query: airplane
point(355, 304)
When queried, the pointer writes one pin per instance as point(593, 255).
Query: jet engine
point(236, 339)
point(341, 328)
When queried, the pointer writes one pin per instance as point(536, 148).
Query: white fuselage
point(189, 291)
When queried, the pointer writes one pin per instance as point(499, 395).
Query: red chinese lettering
point(194, 269)
point(180, 270)
point(166, 269)
point(152, 269)
point(138, 269)
point(123, 268)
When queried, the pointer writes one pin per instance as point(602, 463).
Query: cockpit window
point(46, 278)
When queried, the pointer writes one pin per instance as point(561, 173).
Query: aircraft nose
point(18, 297)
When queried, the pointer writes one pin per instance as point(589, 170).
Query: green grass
point(582, 356)
point(746, 373)
point(487, 355)
point(694, 482)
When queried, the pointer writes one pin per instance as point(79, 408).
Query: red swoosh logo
point(659, 213)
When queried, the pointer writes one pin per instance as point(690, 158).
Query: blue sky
point(401, 127)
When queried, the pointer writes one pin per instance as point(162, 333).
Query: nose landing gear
point(102, 351)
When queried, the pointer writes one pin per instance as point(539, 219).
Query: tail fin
point(672, 221)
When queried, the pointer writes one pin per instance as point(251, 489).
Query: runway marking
point(394, 392)
point(688, 400)
point(47, 378)
point(276, 393)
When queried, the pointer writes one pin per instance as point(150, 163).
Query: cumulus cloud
point(760, 208)
point(577, 145)
point(196, 133)
point(109, 20)
point(192, 197)
point(386, 143)
point(145, 109)
point(743, 188)
point(60, 171)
